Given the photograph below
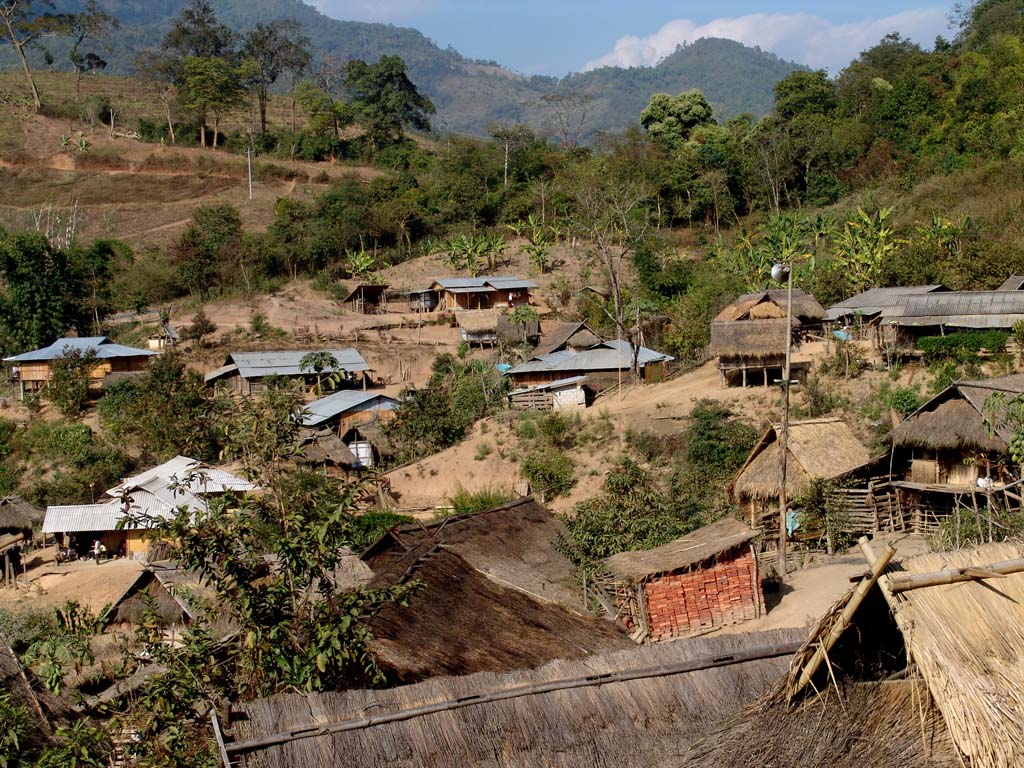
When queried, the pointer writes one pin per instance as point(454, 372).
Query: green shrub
point(488, 497)
point(962, 345)
point(363, 530)
point(549, 471)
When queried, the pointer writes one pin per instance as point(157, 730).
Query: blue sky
point(554, 37)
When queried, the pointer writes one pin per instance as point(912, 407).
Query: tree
point(212, 85)
point(24, 22)
point(208, 247)
point(670, 119)
point(385, 100)
point(510, 138)
point(197, 32)
point(274, 48)
point(805, 93)
point(91, 24)
point(327, 115)
point(68, 388)
point(569, 111)
point(159, 71)
point(318, 362)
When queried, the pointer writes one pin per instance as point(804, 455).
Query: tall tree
point(91, 24)
point(511, 138)
point(159, 71)
point(386, 99)
point(24, 22)
point(212, 85)
point(274, 48)
point(197, 32)
point(671, 118)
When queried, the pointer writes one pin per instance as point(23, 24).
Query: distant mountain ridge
point(470, 95)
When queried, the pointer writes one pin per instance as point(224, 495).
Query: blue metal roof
point(326, 408)
point(255, 365)
point(101, 345)
point(485, 284)
point(611, 355)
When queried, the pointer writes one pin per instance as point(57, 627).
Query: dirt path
point(94, 586)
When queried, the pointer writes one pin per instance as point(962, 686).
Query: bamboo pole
point(903, 583)
point(844, 619)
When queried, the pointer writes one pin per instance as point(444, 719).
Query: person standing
point(96, 550)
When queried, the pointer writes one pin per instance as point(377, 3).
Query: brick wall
point(727, 592)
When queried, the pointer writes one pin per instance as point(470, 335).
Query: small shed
point(422, 300)
point(164, 336)
point(603, 365)
point(818, 449)
point(35, 368)
point(478, 326)
point(704, 580)
point(561, 395)
point(367, 298)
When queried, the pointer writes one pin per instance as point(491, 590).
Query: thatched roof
point(967, 640)
point(459, 622)
point(575, 335)
point(325, 447)
point(15, 512)
point(957, 418)
point(752, 339)
point(692, 549)
point(514, 544)
point(377, 437)
point(872, 724)
point(772, 305)
point(650, 720)
point(818, 448)
point(478, 320)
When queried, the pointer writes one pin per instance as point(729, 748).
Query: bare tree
point(24, 21)
point(569, 112)
point(159, 71)
point(91, 24)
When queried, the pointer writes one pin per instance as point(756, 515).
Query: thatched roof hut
point(754, 340)
point(958, 419)
point(459, 622)
point(771, 305)
point(514, 544)
point(16, 514)
point(818, 449)
point(574, 336)
point(627, 708)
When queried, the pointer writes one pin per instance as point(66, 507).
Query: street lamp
point(780, 272)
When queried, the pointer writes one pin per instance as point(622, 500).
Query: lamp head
point(780, 272)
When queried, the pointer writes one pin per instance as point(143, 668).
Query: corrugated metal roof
point(341, 402)
point(217, 373)
point(510, 283)
point(472, 289)
point(254, 365)
point(550, 385)
point(966, 309)
point(1012, 283)
point(874, 300)
point(105, 516)
point(448, 283)
point(611, 355)
point(483, 284)
point(101, 345)
point(176, 471)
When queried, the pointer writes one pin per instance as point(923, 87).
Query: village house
point(367, 298)
point(561, 395)
point(749, 336)
point(864, 310)
point(817, 449)
point(478, 326)
point(704, 580)
point(18, 516)
point(950, 455)
point(35, 368)
point(936, 314)
point(459, 293)
point(573, 336)
point(342, 410)
point(246, 372)
point(116, 521)
point(604, 365)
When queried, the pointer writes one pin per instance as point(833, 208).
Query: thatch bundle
point(692, 549)
point(648, 721)
point(18, 514)
point(749, 339)
point(478, 320)
point(967, 640)
point(953, 425)
point(772, 304)
point(870, 724)
point(820, 448)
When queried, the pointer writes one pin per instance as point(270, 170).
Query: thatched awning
point(953, 425)
point(690, 550)
point(17, 513)
point(818, 449)
point(750, 339)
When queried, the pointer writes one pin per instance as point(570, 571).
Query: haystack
point(818, 449)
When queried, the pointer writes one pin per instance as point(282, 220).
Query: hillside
point(468, 94)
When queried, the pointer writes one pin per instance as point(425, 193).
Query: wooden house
point(368, 298)
point(177, 598)
point(704, 580)
point(121, 518)
point(246, 372)
point(866, 308)
point(347, 408)
point(570, 336)
point(35, 368)
point(749, 336)
point(603, 365)
point(561, 395)
point(459, 293)
point(935, 314)
point(818, 449)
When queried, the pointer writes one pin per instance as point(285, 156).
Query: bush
point(363, 530)
point(68, 389)
point(549, 471)
point(488, 497)
point(962, 345)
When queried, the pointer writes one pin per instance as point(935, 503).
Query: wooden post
point(843, 621)
point(905, 582)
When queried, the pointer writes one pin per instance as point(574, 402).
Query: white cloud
point(371, 10)
point(801, 37)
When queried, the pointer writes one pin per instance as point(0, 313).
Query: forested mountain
point(468, 94)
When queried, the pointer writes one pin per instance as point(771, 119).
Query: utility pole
point(777, 271)
point(248, 160)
